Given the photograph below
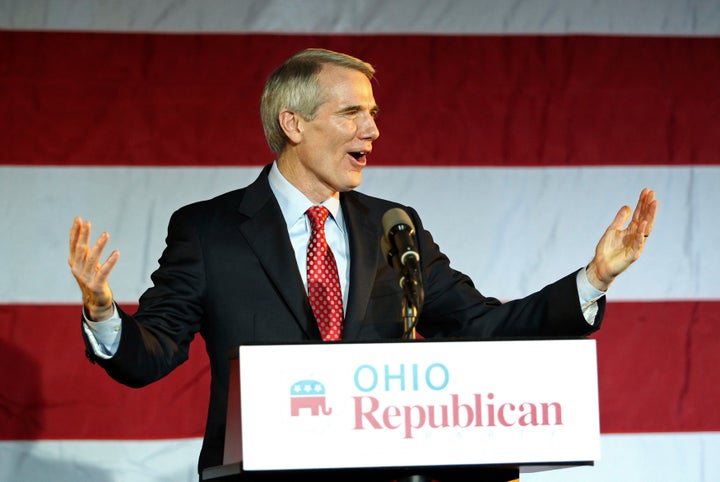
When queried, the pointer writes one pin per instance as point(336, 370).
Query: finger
point(103, 271)
point(80, 246)
point(644, 202)
point(620, 218)
point(74, 235)
point(645, 211)
point(639, 207)
point(92, 261)
point(83, 240)
point(650, 215)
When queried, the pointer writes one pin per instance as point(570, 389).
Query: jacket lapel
point(265, 232)
point(364, 236)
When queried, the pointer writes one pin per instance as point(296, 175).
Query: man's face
point(334, 146)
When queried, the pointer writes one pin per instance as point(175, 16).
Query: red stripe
point(659, 367)
point(51, 391)
point(188, 100)
point(658, 372)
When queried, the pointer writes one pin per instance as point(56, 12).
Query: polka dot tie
point(323, 281)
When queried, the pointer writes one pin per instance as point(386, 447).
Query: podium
point(445, 410)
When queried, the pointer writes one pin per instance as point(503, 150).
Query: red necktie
point(323, 281)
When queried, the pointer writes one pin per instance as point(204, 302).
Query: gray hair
point(294, 87)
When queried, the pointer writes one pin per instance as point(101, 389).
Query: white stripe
point(637, 17)
point(100, 460)
point(512, 230)
point(687, 457)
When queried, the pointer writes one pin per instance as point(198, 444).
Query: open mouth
point(360, 157)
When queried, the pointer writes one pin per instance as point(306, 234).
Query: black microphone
point(399, 247)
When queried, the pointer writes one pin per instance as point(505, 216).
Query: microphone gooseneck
point(399, 248)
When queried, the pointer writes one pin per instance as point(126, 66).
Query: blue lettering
point(436, 377)
point(372, 375)
point(389, 377)
point(444, 373)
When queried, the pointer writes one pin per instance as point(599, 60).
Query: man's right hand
point(91, 276)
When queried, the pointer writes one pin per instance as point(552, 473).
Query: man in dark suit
point(235, 269)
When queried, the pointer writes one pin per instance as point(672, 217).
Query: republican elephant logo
point(310, 396)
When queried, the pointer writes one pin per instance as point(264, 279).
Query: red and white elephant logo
point(309, 395)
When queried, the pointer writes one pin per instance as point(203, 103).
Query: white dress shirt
point(293, 205)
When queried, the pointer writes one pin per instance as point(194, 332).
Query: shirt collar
point(294, 203)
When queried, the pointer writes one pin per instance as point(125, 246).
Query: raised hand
point(620, 247)
point(91, 276)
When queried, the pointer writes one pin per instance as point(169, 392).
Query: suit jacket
point(228, 272)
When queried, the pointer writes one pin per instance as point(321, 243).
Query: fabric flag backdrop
point(517, 129)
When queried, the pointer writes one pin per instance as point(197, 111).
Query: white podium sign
point(418, 404)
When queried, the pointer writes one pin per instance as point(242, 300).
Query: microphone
point(399, 247)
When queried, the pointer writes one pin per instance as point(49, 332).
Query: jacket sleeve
point(453, 307)
point(156, 339)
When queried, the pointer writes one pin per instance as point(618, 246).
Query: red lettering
point(490, 411)
point(530, 417)
point(359, 413)
point(409, 418)
point(391, 412)
point(409, 425)
point(501, 414)
point(546, 413)
point(467, 410)
point(443, 416)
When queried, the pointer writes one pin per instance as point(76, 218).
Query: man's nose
point(368, 128)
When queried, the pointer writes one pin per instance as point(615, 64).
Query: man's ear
point(290, 124)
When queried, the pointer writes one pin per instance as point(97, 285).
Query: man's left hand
point(620, 247)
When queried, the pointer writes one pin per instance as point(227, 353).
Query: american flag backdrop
point(517, 129)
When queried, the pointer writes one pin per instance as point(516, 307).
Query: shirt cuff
point(104, 336)
point(588, 296)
